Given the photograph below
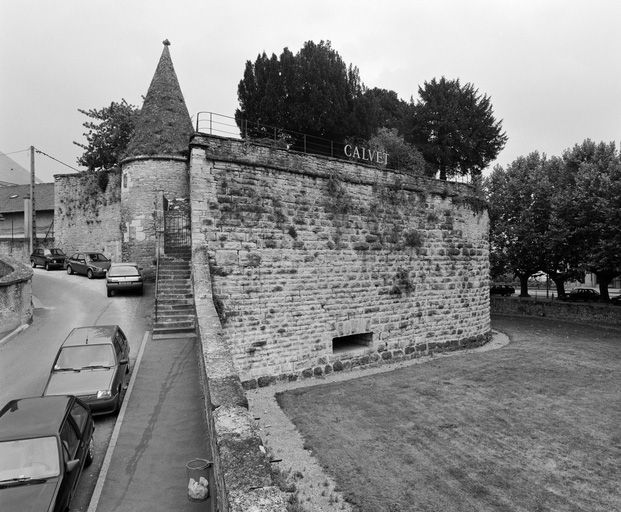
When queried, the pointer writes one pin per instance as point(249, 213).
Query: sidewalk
point(163, 427)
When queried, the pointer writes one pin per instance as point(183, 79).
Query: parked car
point(501, 289)
point(90, 264)
point(45, 443)
point(124, 277)
point(616, 301)
point(582, 295)
point(48, 258)
point(93, 364)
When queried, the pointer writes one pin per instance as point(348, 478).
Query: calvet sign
point(370, 155)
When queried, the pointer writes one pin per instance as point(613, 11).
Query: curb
point(13, 333)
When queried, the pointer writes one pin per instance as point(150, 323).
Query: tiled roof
point(164, 126)
point(12, 173)
point(12, 197)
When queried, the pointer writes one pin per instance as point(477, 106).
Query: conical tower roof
point(164, 126)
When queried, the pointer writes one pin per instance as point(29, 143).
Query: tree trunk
point(524, 284)
point(560, 286)
point(604, 280)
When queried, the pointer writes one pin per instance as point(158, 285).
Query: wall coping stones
point(153, 157)
point(295, 162)
point(18, 272)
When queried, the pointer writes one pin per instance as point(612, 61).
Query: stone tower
point(156, 162)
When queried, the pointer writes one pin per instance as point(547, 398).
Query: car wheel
point(47, 266)
point(109, 292)
point(90, 454)
point(69, 270)
point(89, 273)
point(32, 262)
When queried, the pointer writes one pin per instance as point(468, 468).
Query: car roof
point(125, 264)
point(90, 335)
point(33, 417)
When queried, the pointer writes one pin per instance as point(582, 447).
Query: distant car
point(582, 295)
point(124, 277)
point(90, 264)
point(93, 364)
point(502, 289)
point(45, 443)
point(48, 258)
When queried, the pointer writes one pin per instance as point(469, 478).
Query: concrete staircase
point(176, 316)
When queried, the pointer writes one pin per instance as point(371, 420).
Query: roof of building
point(163, 126)
point(11, 173)
point(12, 197)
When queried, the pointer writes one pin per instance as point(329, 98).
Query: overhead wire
point(56, 160)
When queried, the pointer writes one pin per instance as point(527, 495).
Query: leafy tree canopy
point(588, 208)
point(518, 212)
point(109, 130)
point(401, 154)
point(455, 128)
point(312, 92)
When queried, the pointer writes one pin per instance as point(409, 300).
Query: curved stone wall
point(15, 294)
point(306, 252)
point(142, 179)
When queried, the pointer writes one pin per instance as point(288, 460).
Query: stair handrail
point(157, 272)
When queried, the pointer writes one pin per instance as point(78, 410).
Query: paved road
point(61, 303)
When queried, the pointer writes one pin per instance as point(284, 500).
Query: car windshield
point(85, 356)
point(56, 252)
point(95, 256)
point(27, 459)
point(124, 270)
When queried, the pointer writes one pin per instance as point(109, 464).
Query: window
point(79, 415)
point(70, 440)
point(353, 342)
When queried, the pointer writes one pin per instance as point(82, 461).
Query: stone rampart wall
point(588, 313)
point(15, 294)
point(304, 249)
point(87, 212)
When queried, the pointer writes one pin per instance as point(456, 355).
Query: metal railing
point(226, 126)
point(158, 245)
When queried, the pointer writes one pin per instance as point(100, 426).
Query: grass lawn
point(534, 426)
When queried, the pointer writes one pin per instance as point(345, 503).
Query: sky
point(552, 68)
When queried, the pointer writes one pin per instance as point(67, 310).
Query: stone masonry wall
point(304, 249)
point(15, 294)
point(87, 211)
point(142, 179)
point(594, 314)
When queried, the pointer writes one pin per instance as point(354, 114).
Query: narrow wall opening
point(352, 342)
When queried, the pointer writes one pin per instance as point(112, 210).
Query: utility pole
point(33, 211)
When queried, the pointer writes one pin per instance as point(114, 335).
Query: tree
point(455, 129)
point(519, 214)
point(588, 212)
point(382, 109)
point(402, 155)
point(312, 92)
point(108, 135)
